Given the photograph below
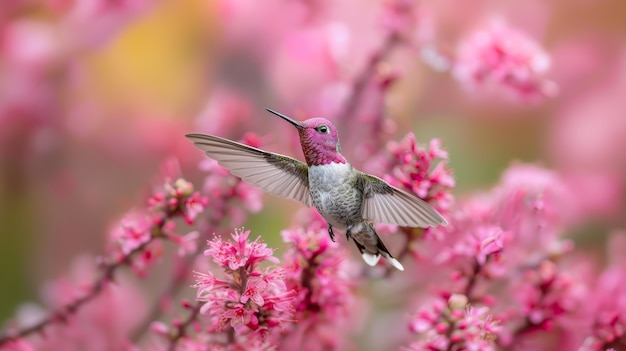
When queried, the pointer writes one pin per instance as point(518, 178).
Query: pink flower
point(206, 282)
point(256, 303)
point(423, 171)
point(504, 60)
point(606, 312)
point(132, 241)
point(549, 293)
point(492, 243)
point(254, 290)
point(323, 278)
point(132, 231)
point(511, 237)
point(137, 232)
point(178, 198)
point(241, 253)
point(469, 240)
point(238, 315)
point(454, 326)
point(193, 206)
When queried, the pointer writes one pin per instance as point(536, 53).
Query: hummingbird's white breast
point(334, 195)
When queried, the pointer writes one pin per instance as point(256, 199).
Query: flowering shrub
point(505, 61)
point(440, 99)
point(453, 325)
point(249, 306)
point(323, 280)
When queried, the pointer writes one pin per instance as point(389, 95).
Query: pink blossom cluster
point(323, 279)
point(138, 230)
point(502, 60)
point(504, 251)
point(528, 209)
point(518, 267)
point(606, 314)
point(136, 241)
point(253, 303)
point(455, 325)
point(248, 307)
point(422, 171)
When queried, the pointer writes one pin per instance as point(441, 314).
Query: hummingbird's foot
point(330, 232)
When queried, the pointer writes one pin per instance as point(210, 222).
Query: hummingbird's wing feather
point(384, 203)
point(277, 174)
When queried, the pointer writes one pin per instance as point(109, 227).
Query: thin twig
point(177, 282)
point(61, 314)
point(360, 83)
point(172, 289)
point(526, 328)
point(181, 329)
point(471, 282)
point(308, 274)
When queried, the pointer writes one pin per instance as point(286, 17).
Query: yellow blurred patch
point(158, 60)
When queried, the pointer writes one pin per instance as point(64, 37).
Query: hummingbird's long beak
point(295, 123)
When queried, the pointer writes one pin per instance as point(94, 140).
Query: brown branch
point(449, 331)
point(526, 328)
point(471, 282)
point(617, 344)
point(308, 274)
point(360, 83)
point(108, 272)
point(177, 282)
point(172, 289)
point(181, 329)
point(61, 314)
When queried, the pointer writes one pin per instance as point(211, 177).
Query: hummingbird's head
point(319, 140)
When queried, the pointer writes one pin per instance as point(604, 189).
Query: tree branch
point(181, 329)
point(360, 83)
point(62, 313)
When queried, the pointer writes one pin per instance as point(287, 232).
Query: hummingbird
point(348, 199)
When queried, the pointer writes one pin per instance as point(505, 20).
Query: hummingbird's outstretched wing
point(277, 174)
point(384, 203)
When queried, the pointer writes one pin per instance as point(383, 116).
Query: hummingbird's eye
point(322, 129)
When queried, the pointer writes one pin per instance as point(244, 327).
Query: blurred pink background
point(95, 95)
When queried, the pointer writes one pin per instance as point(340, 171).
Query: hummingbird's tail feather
point(370, 259)
point(371, 247)
point(393, 261)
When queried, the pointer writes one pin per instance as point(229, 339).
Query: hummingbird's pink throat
point(318, 152)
